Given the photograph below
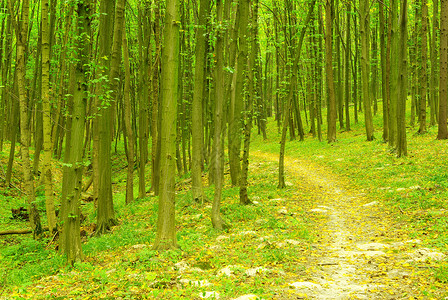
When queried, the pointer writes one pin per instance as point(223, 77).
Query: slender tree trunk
point(143, 40)
point(402, 82)
point(384, 82)
point(47, 168)
point(332, 114)
point(423, 71)
point(70, 241)
point(21, 28)
point(347, 68)
point(166, 231)
point(252, 95)
point(105, 214)
point(155, 129)
point(218, 159)
point(394, 45)
point(236, 106)
point(281, 163)
point(198, 93)
point(434, 63)
point(443, 82)
point(127, 121)
point(365, 66)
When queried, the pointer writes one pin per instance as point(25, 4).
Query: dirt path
point(360, 252)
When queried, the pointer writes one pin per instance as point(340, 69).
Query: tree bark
point(198, 93)
point(218, 135)
point(130, 154)
point(166, 231)
point(443, 83)
point(402, 82)
point(70, 241)
point(365, 66)
point(46, 110)
point(332, 114)
point(105, 214)
point(423, 72)
point(281, 163)
point(21, 29)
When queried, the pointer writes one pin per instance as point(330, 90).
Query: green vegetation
point(122, 263)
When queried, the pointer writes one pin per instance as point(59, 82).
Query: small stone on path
point(282, 211)
point(373, 203)
point(424, 254)
point(254, 271)
point(227, 271)
point(318, 210)
point(139, 246)
point(372, 246)
point(221, 237)
point(305, 285)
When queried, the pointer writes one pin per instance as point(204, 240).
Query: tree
point(365, 65)
point(331, 117)
point(393, 81)
point(347, 68)
point(237, 101)
point(21, 28)
point(402, 82)
point(423, 72)
point(384, 74)
point(142, 90)
point(166, 233)
point(443, 83)
point(70, 241)
point(46, 111)
point(281, 163)
point(218, 158)
point(105, 215)
point(251, 97)
point(129, 132)
point(197, 130)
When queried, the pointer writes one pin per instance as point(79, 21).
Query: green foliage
point(27, 261)
point(441, 273)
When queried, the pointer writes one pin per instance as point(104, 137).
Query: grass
point(414, 188)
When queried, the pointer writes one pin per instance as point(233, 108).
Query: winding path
point(360, 253)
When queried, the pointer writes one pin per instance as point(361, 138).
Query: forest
point(223, 149)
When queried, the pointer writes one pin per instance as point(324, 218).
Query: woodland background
point(174, 91)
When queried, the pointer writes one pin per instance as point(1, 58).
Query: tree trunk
point(286, 113)
point(402, 82)
point(130, 154)
point(21, 28)
point(384, 76)
point(251, 97)
point(218, 159)
point(365, 66)
point(105, 214)
point(443, 83)
point(47, 165)
point(70, 241)
point(434, 63)
point(198, 93)
point(332, 114)
point(347, 68)
point(236, 107)
point(394, 45)
point(423, 72)
point(166, 231)
point(155, 121)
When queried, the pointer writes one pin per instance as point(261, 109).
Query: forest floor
point(354, 222)
point(361, 252)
